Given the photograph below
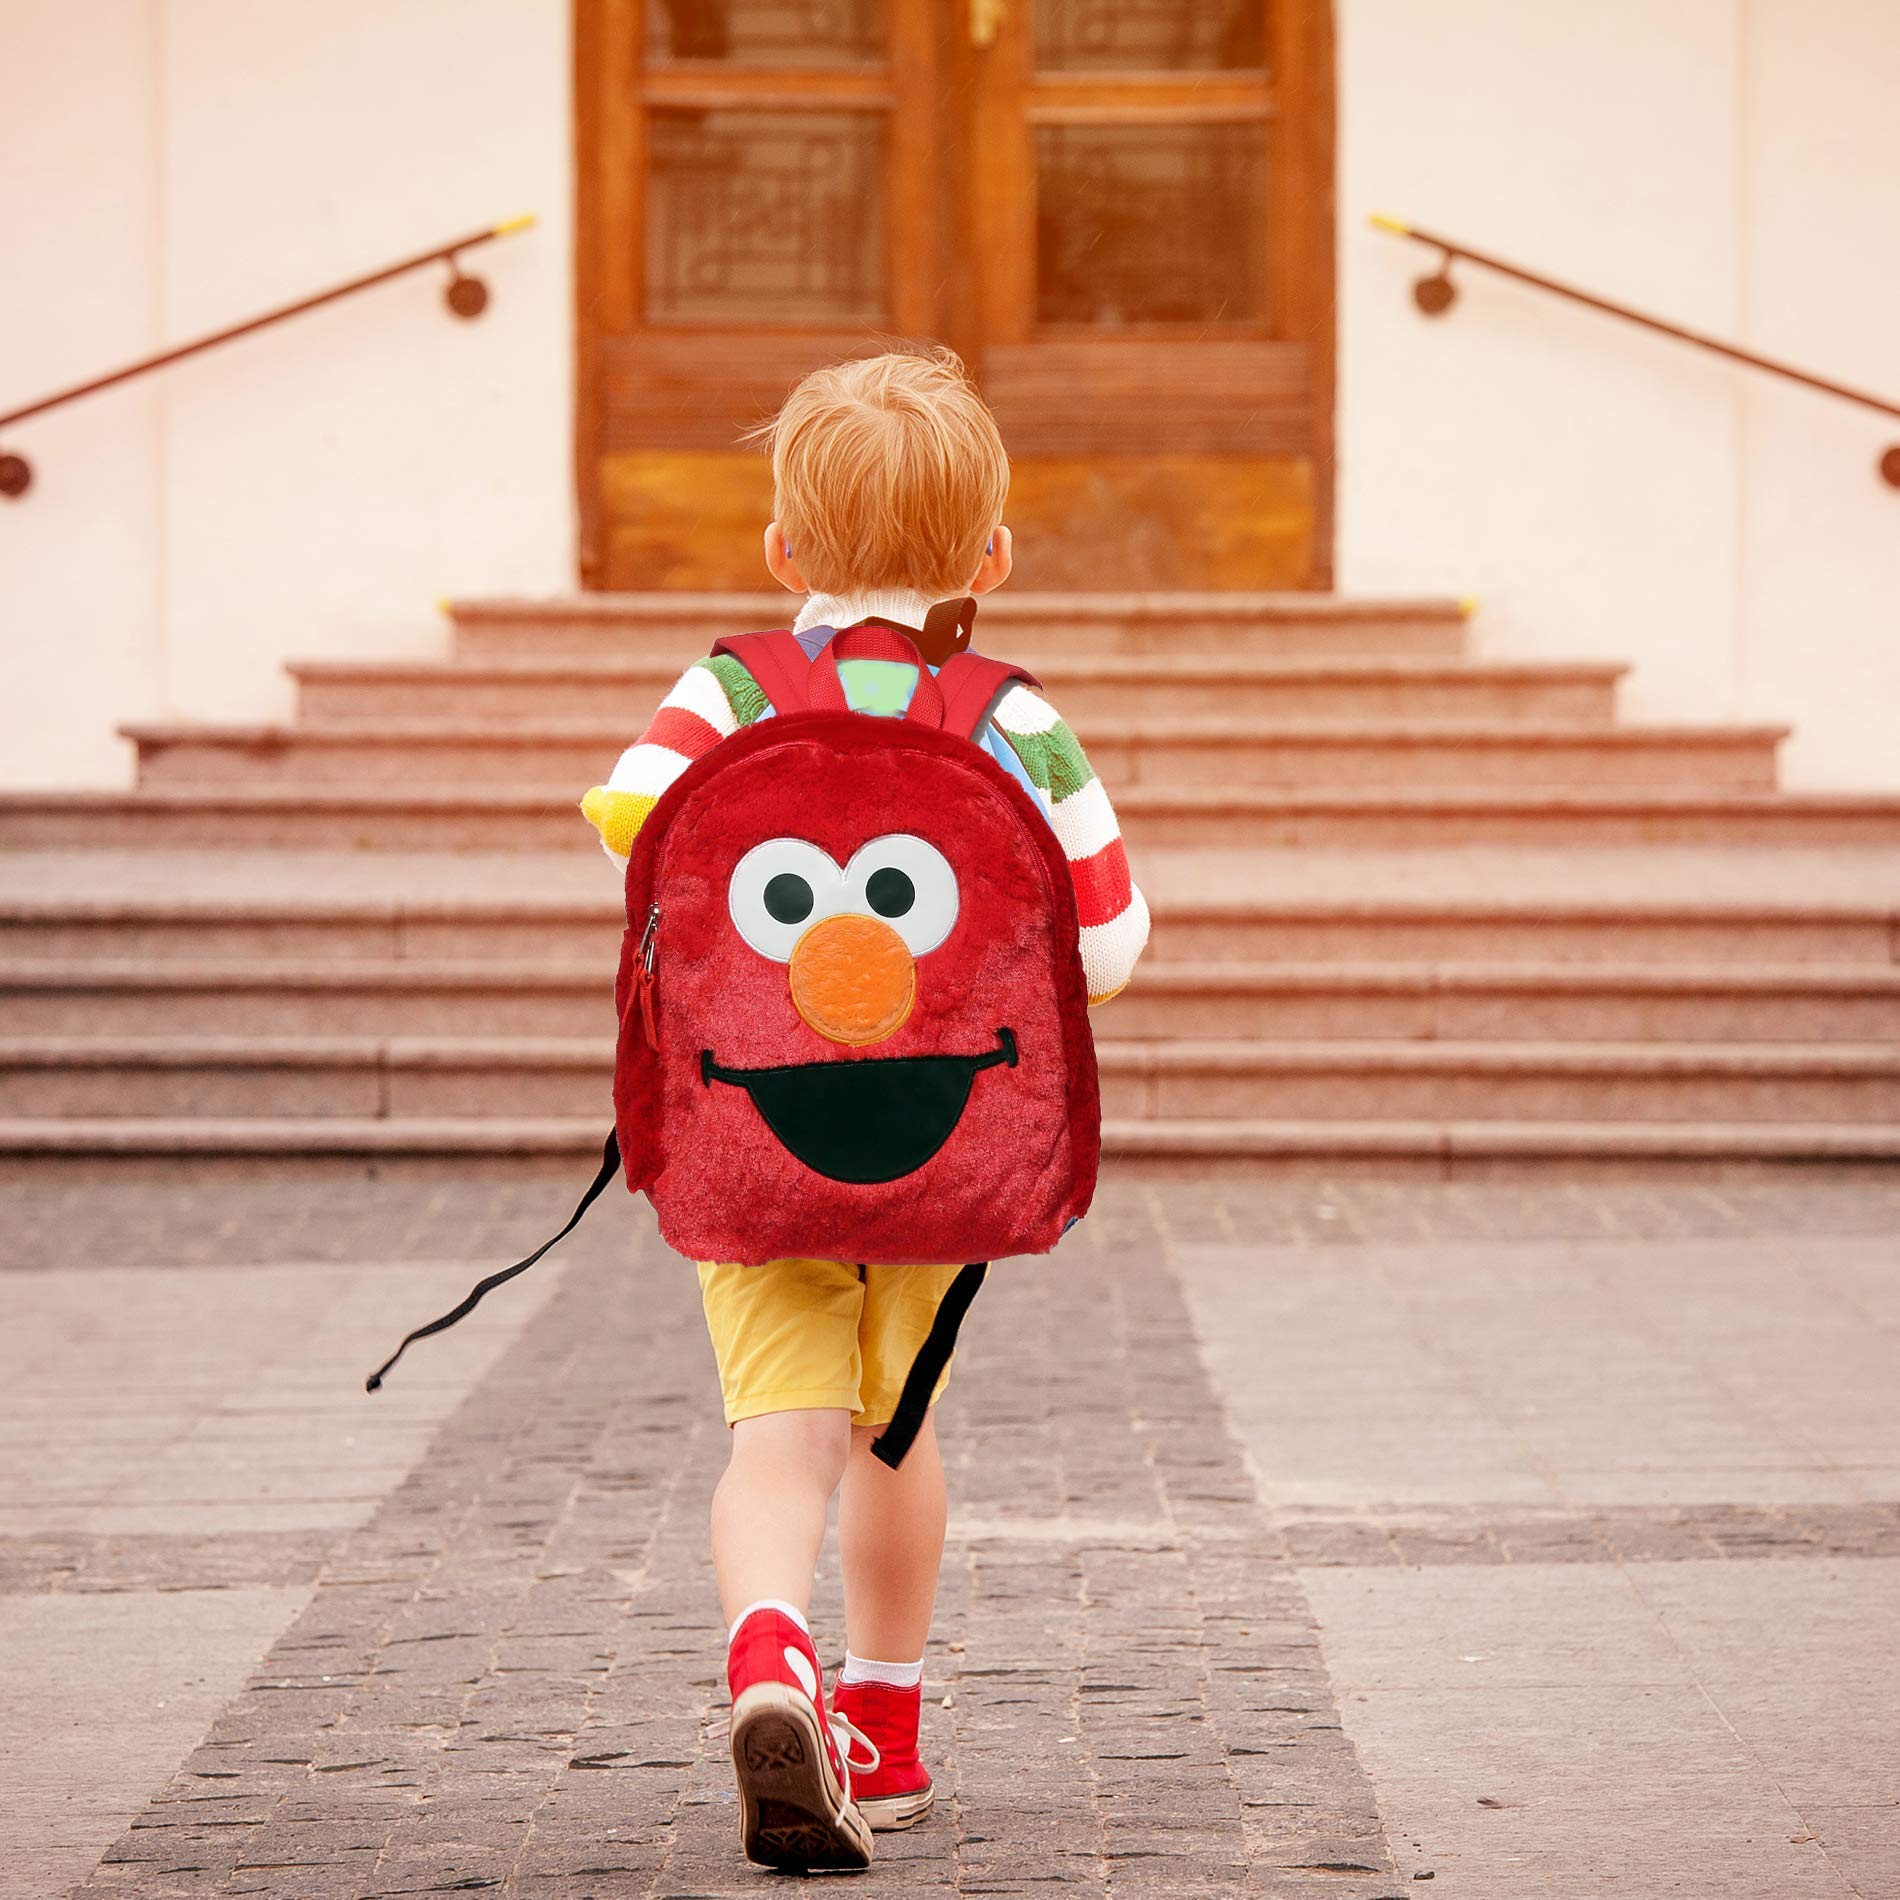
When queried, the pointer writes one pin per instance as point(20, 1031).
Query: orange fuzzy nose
point(853, 979)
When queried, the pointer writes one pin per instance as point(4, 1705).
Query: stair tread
point(581, 1136)
point(1370, 1055)
point(1620, 1138)
point(504, 800)
point(1203, 728)
point(765, 609)
point(1657, 882)
point(413, 973)
point(1210, 667)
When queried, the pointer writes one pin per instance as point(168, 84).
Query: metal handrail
point(465, 296)
point(1436, 294)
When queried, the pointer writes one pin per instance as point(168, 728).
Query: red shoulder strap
point(970, 683)
point(777, 664)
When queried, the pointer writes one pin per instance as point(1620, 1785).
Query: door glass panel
point(1160, 36)
point(765, 217)
point(1149, 224)
point(767, 32)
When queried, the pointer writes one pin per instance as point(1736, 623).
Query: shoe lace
point(844, 1732)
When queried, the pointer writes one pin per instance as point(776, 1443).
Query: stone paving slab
point(1600, 1530)
point(100, 1695)
point(1688, 1728)
point(506, 1674)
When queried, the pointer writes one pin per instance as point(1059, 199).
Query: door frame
point(606, 41)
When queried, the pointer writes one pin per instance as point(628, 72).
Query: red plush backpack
point(853, 1020)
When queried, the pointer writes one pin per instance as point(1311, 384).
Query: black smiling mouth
point(865, 1121)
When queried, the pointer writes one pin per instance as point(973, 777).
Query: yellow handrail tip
point(1468, 605)
point(509, 226)
point(445, 605)
point(1380, 222)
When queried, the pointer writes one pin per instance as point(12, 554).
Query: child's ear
point(998, 558)
point(778, 560)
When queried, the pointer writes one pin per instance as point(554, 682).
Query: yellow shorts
point(805, 1335)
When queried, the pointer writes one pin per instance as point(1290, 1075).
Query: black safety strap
point(926, 1369)
point(609, 1167)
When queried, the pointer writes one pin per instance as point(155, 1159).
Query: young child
point(889, 479)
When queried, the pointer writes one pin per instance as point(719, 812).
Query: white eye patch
point(779, 889)
point(909, 884)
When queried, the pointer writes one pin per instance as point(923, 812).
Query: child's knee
point(815, 1443)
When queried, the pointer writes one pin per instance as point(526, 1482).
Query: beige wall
point(1731, 164)
point(166, 168)
point(169, 168)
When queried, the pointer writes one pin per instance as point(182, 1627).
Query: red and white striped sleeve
point(1112, 910)
point(712, 699)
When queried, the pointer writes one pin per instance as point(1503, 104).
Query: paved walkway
point(1305, 1541)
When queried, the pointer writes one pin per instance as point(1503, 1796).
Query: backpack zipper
point(643, 975)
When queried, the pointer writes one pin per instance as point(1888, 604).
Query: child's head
point(888, 472)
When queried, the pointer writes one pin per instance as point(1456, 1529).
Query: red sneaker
point(897, 1792)
point(789, 1755)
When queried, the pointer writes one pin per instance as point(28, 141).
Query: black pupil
point(788, 898)
point(891, 892)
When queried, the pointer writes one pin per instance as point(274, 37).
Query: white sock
point(893, 1675)
point(769, 1603)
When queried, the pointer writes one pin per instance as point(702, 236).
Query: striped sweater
point(716, 696)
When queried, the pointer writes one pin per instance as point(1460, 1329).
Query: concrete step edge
point(1014, 609)
point(1252, 976)
point(1564, 1140)
point(1371, 1056)
point(608, 908)
point(1203, 730)
point(1637, 800)
point(1237, 1140)
point(1209, 669)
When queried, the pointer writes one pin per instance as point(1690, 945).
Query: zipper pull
point(643, 975)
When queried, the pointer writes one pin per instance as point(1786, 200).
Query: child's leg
point(768, 1514)
point(890, 1538)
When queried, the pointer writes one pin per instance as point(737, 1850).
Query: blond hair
point(887, 471)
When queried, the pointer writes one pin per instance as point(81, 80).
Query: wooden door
point(1147, 193)
point(1119, 211)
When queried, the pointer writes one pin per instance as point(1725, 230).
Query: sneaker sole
point(794, 1815)
point(889, 1813)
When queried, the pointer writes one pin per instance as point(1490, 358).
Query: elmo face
point(850, 937)
point(861, 1002)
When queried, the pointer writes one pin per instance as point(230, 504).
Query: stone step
point(1030, 627)
point(1107, 687)
point(347, 1146)
point(1234, 1079)
point(1175, 754)
point(538, 819)
point(1280, 1001)
point(1635, 907)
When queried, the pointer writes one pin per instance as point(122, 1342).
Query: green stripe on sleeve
point(1054, 759)
point(740, 688)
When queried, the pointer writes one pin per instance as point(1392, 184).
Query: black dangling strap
point(609, 1167)
point(926, 1369)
